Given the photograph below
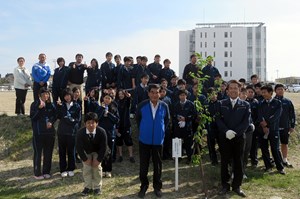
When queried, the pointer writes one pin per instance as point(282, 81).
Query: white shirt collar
point(154, 109)
point(69, 105)
point(88, 133)
point(142, 85)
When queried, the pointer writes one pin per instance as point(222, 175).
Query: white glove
point(181, 124)
point(230, 134)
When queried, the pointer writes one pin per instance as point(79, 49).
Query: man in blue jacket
point(233, 119)
point(152, 117)
point(40, 73)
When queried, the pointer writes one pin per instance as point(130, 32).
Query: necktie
point(91, 136)
point(233, 103)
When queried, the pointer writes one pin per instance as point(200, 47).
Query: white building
point(239, 49)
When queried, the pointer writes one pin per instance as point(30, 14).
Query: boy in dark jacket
point(125, 75)
point(184, 113)
point(94, 78)
point(91, 146)
point(107, 72)
point(69, 113)
point(140, 93)
point(43, 116)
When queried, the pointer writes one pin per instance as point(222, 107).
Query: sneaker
point(71, 173)
point(47, 176)
point(39, 177)
point(132, 160)
point(64, 174)
point(282, 172)
point(97, 192)
point(86, 191)
point(120, 159)
point(108, 174)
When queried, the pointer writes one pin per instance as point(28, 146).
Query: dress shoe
point(158, 193)
point(142, 192)
point(223, 191)
point(282, 172)
point(239, 192)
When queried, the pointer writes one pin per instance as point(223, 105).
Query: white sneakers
point(67, 173)
point(106, 174)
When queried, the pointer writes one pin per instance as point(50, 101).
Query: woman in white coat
point(22, 81)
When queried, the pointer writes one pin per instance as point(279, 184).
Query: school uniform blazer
point(270, 112)
point(61, 78)
point(288, 116)
point(236, 118)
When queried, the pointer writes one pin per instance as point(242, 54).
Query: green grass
point(16, 179)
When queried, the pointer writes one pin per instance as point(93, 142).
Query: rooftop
point(223, 25)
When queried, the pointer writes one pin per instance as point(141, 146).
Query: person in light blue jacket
point(152, 118)
point(40, 73)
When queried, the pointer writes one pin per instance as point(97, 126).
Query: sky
point(63, 28)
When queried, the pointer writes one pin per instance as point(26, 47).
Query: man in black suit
point(233, 119)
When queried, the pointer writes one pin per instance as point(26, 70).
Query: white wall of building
point(184, 49)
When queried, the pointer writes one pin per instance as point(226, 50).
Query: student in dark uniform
point(118, 67)
point(166, 73)
point(91, 144)
point(108, 115)
point(125, 75)
point(140, 70)
point(254, 116)
point(43, 117)
point(210, 71)
point(181, 85)
point(94, 79)
point(173, 84)
point(90, 101)
point(140, 93)
point(190, 68)
point(258, 95)
point(155, 69)
point(69, 114)
point(269, 112)
point(233, 120)
point(107, 72)
point(222, 94)
point(184, 113)
point(60, 80)
point(286, 123)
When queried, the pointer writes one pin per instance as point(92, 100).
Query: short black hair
point(76, 89)
point(117, 56)
point(181, 81)
point(126, 59)
point(193, 55)
point(174, 76)
point(182, 91)
point(224, 83)
point(91, 116)
point(243, 90)
point(166, 60)
point(153, 86)
point(108, 54)
point(20, 59)
point(242, 80)
point(254, 76)
point(60, 59)
point(250, 87)
point(163, 80)
point(267, 87)
point(78, 55)
point(218, 75)
point(258, 85)
point(144, 58)
point(157, 56)
point(43, 90)
point(233, 81)
point(210, 90)
point(138, 57)
point(144, 75)
point(279, 86)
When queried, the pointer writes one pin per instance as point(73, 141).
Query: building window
point(230, 53)
point(205, 54)
point(214, 53)
point(205, 44)
point(201, 54)
point(225, 73)
point(230, 63)
point(214, 34)
point(230, 73)
point(225, 54)
point(225, 44)
point(231, 44)
point(225, 34)
point(214, 44)
point(200, 44)
point(205, 34)
point(230, 34)
point(200, 34)
point(225, 63)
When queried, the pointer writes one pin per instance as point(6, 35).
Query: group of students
point(113, 96)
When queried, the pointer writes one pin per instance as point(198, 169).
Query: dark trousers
point(231, 151)
point(255, 145)
point(20, 101)
point(187, 137)
point(247, 148)
point(42, 144)
point(145, 152)
point(274, 144)
point(167, 144)
point(57, 93)
point(36, 90)
point(211, 144)
point(66, 146)
point(107, 161)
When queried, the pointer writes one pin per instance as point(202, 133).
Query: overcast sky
point(135, 27)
